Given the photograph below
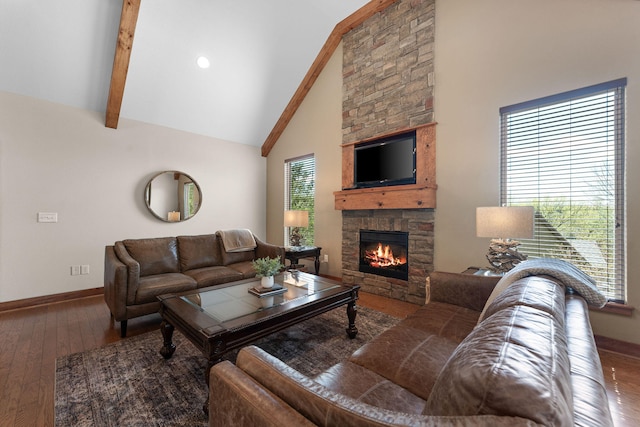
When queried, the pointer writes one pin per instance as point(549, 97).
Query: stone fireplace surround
point(418, 223)
point(408, 208)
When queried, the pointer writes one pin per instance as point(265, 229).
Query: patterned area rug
point(129, 383)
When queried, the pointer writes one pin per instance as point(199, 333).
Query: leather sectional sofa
point(137, 271)
point(531, 361)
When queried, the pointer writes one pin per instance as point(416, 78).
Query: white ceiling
point(259, 50)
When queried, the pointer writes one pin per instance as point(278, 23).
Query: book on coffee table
point(267, 292)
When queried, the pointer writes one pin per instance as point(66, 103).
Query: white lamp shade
point(505, 222)
point(296, 218)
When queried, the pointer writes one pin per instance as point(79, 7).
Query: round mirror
point(173, 196)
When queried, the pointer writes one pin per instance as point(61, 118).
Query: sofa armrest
point(587, 380)
point(324, 407)
point(265, 249)
point(115, 284)
point(315, 402)
point(240, 401)
point(464, 290)
point(133, 271)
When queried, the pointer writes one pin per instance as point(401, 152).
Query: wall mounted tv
point(388, 161)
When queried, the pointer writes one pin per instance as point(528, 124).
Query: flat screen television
point(389, 161)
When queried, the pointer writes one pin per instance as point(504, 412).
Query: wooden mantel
point(420, 195)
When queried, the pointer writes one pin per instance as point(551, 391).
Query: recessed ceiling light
point(203, 62)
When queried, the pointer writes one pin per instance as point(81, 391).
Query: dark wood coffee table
point(225, 317)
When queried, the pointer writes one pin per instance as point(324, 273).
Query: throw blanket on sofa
point(570, 275)
point(240, 240)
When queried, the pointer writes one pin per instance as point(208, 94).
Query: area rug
point(129, 383)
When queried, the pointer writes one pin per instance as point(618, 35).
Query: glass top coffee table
point(225, 317)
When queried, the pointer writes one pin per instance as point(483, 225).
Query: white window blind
point(300, 189)
point(564, 155)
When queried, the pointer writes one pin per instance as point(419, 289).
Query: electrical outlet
point(84, 269)
point(47, 217)
point(325, 258)
point(75, 270)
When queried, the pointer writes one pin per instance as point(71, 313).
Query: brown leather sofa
point(137, 271)
point(531, 361)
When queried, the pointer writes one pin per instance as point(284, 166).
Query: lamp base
point(503, 255)
point(295, 237)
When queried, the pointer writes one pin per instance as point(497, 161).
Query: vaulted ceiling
point(260, 52)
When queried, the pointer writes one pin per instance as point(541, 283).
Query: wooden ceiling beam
point(128, 20)
point(343, 27)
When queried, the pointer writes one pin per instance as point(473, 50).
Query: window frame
point(619, 293)
point(307, 233)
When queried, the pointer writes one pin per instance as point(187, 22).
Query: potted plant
point(266, 268)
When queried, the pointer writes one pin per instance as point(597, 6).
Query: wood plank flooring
point(32, 338)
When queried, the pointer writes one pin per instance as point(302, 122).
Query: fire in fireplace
point(384, 253)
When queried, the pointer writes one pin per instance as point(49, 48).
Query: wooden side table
point(294, 253)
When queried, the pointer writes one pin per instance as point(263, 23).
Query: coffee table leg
point(352, 310)
point(167, 333)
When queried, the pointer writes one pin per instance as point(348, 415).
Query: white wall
point(55, 158)
point(315, 128)
point(496, 53)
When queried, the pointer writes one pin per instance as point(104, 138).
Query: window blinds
point(300, 186)
point(564, 155)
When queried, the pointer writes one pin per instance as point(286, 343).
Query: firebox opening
point(384, 253)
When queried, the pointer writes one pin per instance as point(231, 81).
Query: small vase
point(266, 282)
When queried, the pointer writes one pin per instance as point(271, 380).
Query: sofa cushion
point(245, 268)
point(412, 353)
point(199, 251)
point(445, 320)
point(155, 256)
point(368, 387)
point(408, 357)
point(514, 363)
point(229, 258)
point(466, 290)
point(153, 286)
point(215, 275)
point(542, 293)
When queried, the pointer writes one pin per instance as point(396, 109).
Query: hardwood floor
point(32, 338)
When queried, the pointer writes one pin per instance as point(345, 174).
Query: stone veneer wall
point(387, 86)
point(388, 71)
point(418, 223)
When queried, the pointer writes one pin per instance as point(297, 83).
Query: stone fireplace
point(388, 88)
point(408, 209)
point(418, 226)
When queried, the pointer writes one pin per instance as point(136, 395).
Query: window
point(190, 197)
point(300, 189)
point(564, 155)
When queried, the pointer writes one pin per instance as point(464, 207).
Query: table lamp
point(502, 224)
point(296, 219)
